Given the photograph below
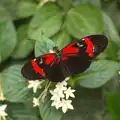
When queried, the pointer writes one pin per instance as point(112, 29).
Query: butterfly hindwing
point(45, 66)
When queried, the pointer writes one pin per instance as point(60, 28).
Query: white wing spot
point(41, 61)
point(80, 45)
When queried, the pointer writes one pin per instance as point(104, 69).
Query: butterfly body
point(73, 59)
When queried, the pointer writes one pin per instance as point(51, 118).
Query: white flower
point(60, 86)
point(35, 85)
point(64, 83)
point(57, 94)
point(60, 96)
point(69, 93)
point(57, 104)
point(66, 104)
point(36, 102)
point(2, 110)
point(67, 78)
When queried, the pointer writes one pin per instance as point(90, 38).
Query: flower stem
point(45, 90)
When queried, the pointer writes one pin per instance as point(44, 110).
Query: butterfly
point(73, 59)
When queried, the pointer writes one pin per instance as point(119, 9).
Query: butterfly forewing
point(45, 66)
point(78, 55)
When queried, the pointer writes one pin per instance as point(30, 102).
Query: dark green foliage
point(28, 30)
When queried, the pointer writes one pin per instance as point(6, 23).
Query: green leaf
point(48, 112)
point(24, 46)
point(14, 85)
point(10, 6)
point(80, 23)
point(18, 111)
point(19, 8)
point(112, 9)
point(88, 104)
point(65, 4)
point(62, 39)
point(26, 8)
point(7, 39)
point(113, 101)
point(47, 21)
point(43, 46)
point(113, 36)
point(95, 2)
point(110, 30)
point(98, 74)
point(3, 13)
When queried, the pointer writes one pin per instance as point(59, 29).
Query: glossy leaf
point(62, 39)
point(65, 4)
point(111, 30)
point(3, 13)
point(19, 111)
point(113, 36)
point(113, 102)
point(48, 112)
point(7, 39)
point(47, 21)
point(78, 2)
point(88, 105)
point(80, 23)
point(98, 74)
point(14, 85)
point(43, 46)
point(11, 7)
point(24, 45)
point(19, 9)
point(26, 8)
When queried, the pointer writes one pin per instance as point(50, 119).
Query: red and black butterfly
point(73, 59)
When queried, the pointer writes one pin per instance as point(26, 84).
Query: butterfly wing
point(100, 42)
point(78, 55)
point(45, 66)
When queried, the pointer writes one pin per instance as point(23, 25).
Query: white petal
point(3, 113)
point(67, 78)
point(53, 104)
point(57, 106)
point(52, 92)
point(51, 51)
point(67, 96)
point(35, 102)
point(34, 89)
point(64, 109)
point(70, 106)
point(3, 107)
point(2, 110)
point(72, 95)
point(30, 86)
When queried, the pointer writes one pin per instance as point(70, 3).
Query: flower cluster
point(60, 96)
point(35, 85)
